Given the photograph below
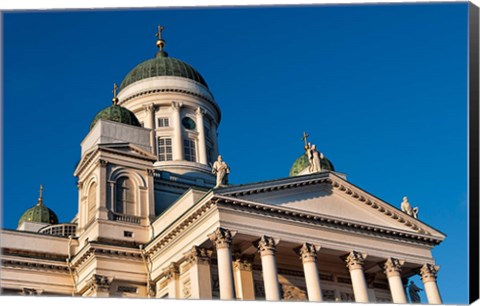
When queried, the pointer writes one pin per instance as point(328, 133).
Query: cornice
point(151, 92)
point(93, 249)
point(23, 263)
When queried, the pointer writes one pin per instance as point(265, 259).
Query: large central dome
point(162, 65)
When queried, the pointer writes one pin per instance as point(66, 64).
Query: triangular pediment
point(328, 195)
point(127, 149)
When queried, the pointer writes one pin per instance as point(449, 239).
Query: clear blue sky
point(381, 89)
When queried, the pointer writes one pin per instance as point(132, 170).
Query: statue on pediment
point(408, 209)
point(221, 169)
point(314, 157)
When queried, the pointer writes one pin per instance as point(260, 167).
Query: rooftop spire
point(40, 198)
point(114, 91)
point(160, 42)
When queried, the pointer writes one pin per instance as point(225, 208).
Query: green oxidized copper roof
point(116, 113)
point(162, 65)
point(39, 213)
point(302, 162)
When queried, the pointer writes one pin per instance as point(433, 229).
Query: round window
point(188, 123)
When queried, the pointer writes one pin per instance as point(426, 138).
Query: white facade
point(149, 222)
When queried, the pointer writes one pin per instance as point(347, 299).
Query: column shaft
point(177, 132)
point(202, 148)
point(225, 274)
point(266, 247)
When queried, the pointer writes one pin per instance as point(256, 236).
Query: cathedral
point(157, 217)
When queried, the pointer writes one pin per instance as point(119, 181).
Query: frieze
point(155, 91)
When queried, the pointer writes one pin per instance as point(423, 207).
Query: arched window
point(92, 201)
point(125, 197)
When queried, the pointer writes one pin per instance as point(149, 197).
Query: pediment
point(127, 149)
point(326, 194)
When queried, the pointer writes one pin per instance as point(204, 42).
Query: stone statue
point(314, 158)
point(407, 208)
point(308, 151)
point(413, 292)
point(221, 169)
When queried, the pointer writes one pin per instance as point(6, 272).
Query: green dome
point(39, 213)
point(162, 65)
point(116, 113)
point(302, 162)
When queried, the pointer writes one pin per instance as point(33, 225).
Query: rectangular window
point(163, 122)
point(164, 146)
point(127, 234)
point(189, 150)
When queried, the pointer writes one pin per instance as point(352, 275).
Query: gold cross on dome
point(304, 138)
point(41, 191)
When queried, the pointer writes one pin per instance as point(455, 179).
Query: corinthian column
point(222, 238)
point(355, 265)
point(393, 267)
point(202, 148)
point(150, 110)
point(201, 284)
point(266, 248)
point(243, 277)
point(171, 274)
point(177, 132)
point(308, 254)
point(428, 273)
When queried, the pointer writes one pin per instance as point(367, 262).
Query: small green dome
point(116, 113)
point(162, 65)
point(39, 213)
point(302, 162)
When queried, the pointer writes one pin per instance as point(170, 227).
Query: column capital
point(99, 283)
point(176, 105)
point(149, 108)
point(393, 266)
point(243, 263)
point(266, 245)
point(222, 238)
point(198, 255)
point(428, 273)
point(200, 111)
point(355, 260)
point(308, 252)
point(172, 271)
